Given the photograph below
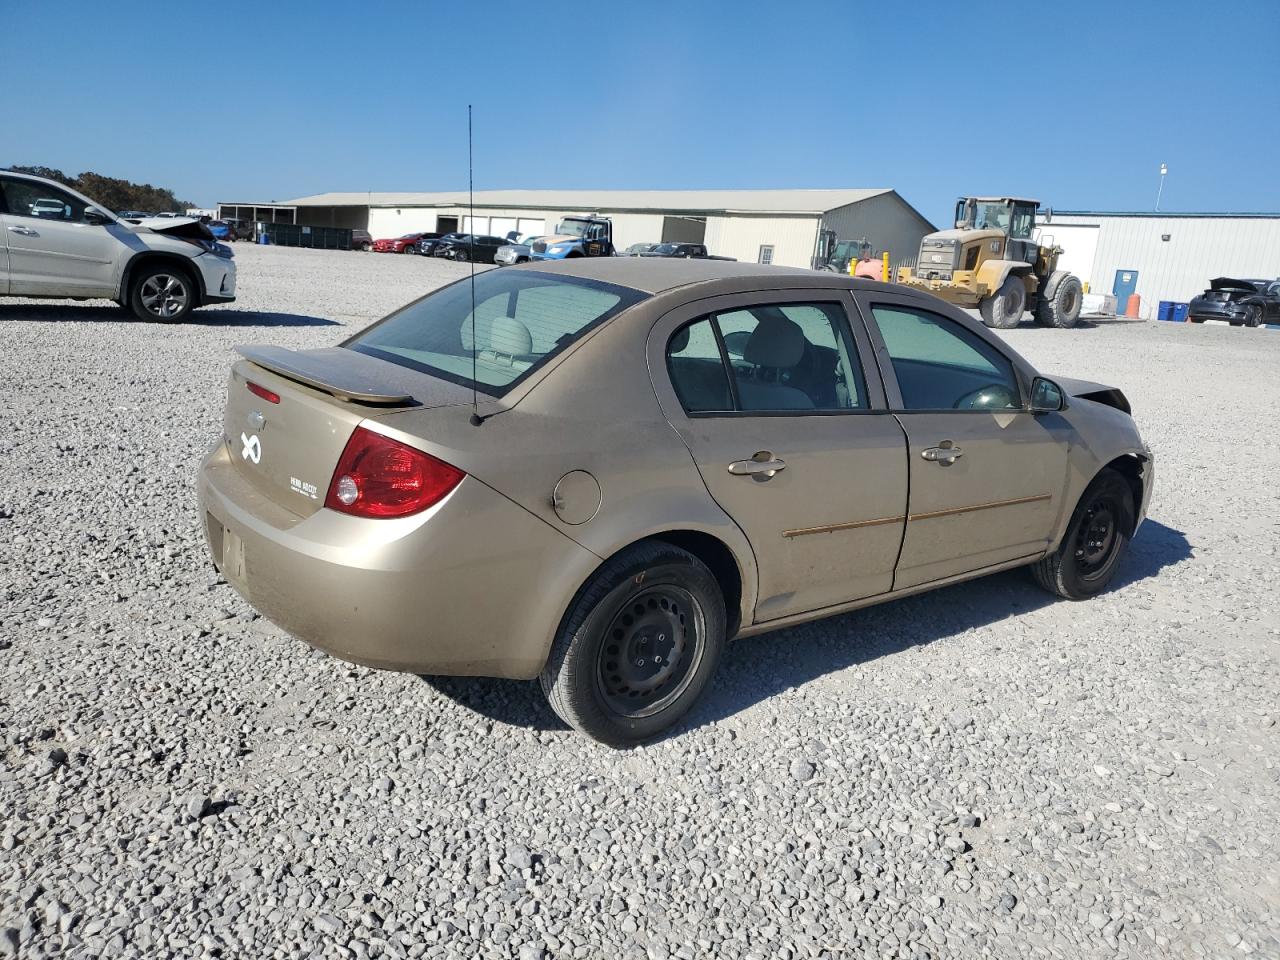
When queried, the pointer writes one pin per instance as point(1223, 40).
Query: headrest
point(679, 341)
point(509, 335)
point(776, 342)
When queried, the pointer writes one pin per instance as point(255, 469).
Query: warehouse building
point(784, 227)
point(1162, 256)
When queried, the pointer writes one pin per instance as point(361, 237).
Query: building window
point(766, 253)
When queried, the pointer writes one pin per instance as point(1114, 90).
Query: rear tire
point(1062, 310)
point(1003, 310)
point(637, 646)
point(162, 293)
point(366, 247)
point(1095, 541)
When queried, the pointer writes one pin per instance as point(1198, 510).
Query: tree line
point(112, 192)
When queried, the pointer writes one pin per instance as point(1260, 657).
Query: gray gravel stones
point(978, 772)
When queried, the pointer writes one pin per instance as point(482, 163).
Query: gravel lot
point(975, 772)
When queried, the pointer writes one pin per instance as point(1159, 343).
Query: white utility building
point(770, 226)
point(1162, 256)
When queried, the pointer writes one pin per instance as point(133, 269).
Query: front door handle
point(25, 231)
point(762, 466)
point(945, 453)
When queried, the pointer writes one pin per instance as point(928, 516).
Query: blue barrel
point(1180, 311)
point(1166, 310)
point(264, 241)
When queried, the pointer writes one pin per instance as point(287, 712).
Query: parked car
point(240, 229)
point(132, 215)
point(637, 249)
point(360, 240)
point(59, 243)
point(221, 230)
point(685, 250)
point(469, 247)
point(518, 252)
point(405, 244)
point(448, 492)
point(428, 247)
point(1246, 303)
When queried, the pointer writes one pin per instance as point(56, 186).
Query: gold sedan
point(597, 472)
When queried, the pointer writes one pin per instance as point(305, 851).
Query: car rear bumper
point(474, 586)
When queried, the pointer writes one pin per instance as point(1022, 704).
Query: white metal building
point(772, 226)
point(1163, 256)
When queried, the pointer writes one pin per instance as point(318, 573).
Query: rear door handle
point(945, 453)
point(25, 231)
point(762, 466)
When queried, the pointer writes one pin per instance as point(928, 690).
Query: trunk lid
point(287, 445)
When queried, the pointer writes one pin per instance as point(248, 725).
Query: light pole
point(1164, 169)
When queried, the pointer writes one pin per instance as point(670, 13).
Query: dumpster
point(1165, 311)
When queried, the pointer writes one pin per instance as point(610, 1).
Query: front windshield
point(573, 228)
point(991, 216)
point(521, 321)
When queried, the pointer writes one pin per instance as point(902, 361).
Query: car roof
point(656, 274)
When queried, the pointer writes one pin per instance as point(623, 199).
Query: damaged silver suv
point(55, 242)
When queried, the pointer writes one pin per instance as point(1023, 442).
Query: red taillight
point(380, 477)
point(262, 392)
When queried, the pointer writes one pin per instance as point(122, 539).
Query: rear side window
point(939, 365)
point(521, 321)
point(770, 358)
point(697, 370)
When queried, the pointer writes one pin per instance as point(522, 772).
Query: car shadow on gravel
point(756, 668)
point(205, 317)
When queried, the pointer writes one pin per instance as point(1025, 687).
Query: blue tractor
point(576, 237)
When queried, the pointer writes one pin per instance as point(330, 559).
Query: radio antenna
point(476, 419)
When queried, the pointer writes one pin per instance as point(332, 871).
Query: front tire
point(162, 294)
point(462, 255)
point(366, 247)
point(1004, 308)
point(1096, 539)
point(1254, 319)
point(637, 646)
point(1062, 310)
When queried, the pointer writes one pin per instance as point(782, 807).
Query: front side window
point(941, 366)
point(778, 358)
point(25, 198)
point(521, 320)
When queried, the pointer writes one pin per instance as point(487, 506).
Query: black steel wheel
point(649, 650)
point(637, 646)
point(1100, 529)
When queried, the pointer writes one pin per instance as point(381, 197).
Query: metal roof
point(794, 202)
point(1163, 215)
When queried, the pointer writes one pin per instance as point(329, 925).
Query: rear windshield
point(522, 319)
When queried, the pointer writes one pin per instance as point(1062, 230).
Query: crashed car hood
point(1098, 392)
point(191, 229)
point(1229, 283)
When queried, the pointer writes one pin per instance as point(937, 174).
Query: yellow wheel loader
point(990, 261)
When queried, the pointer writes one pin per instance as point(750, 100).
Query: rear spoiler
point(345, 374)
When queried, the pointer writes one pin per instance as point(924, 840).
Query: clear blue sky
point(1074, 103)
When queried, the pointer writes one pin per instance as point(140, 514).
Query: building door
point(446, 224)
point(684, 229)
point(1126, 283)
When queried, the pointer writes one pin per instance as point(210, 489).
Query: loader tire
point(1062, 309)
point(1003, 309)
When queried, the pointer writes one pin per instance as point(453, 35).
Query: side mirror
point(1046, 396)
point(95, 217)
